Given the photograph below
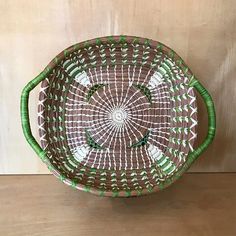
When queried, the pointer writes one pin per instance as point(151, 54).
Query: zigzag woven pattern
point(117, 115)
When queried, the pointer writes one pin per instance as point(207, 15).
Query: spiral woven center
point(118, 116)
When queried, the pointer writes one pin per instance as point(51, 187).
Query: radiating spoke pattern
point(116, 116)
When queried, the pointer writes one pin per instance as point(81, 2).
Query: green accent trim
point(98, 41)
point(87, 189)
point(93, 89)
point(147, 42)
point(139, 192)
point(111, 39)
point(127, 193)
point(145, 91)
point(136, 40)
point(122, 39)
point(142, 141)
point(159, 46)
point(91, 142)
point(115, 193)
point(62, 178)
point(86, 44)
point(211, 118)
point(24, 111)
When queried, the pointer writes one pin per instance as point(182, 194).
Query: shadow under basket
point(117, 116)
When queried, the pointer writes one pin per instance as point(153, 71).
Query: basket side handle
point(24, 112)
point(211, 119)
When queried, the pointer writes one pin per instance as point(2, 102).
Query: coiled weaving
point(117, 116)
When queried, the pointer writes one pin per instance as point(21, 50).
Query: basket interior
point(117, 114)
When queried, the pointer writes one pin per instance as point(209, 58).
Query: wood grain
point(198, 204)
point(32, 32)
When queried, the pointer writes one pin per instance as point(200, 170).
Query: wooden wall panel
point(32, 32)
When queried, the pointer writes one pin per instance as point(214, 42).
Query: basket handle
point(211, 119)
point(24, 111)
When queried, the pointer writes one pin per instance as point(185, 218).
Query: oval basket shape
point(117, 116)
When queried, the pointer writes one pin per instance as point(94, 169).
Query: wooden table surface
point(198, 204)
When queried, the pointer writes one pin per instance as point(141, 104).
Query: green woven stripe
point(211, 117)
point(25, 114)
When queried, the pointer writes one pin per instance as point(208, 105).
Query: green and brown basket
point(117, 116)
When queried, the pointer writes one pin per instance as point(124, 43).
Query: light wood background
point(32, 32)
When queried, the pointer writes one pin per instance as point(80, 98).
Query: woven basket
point(117, 116)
